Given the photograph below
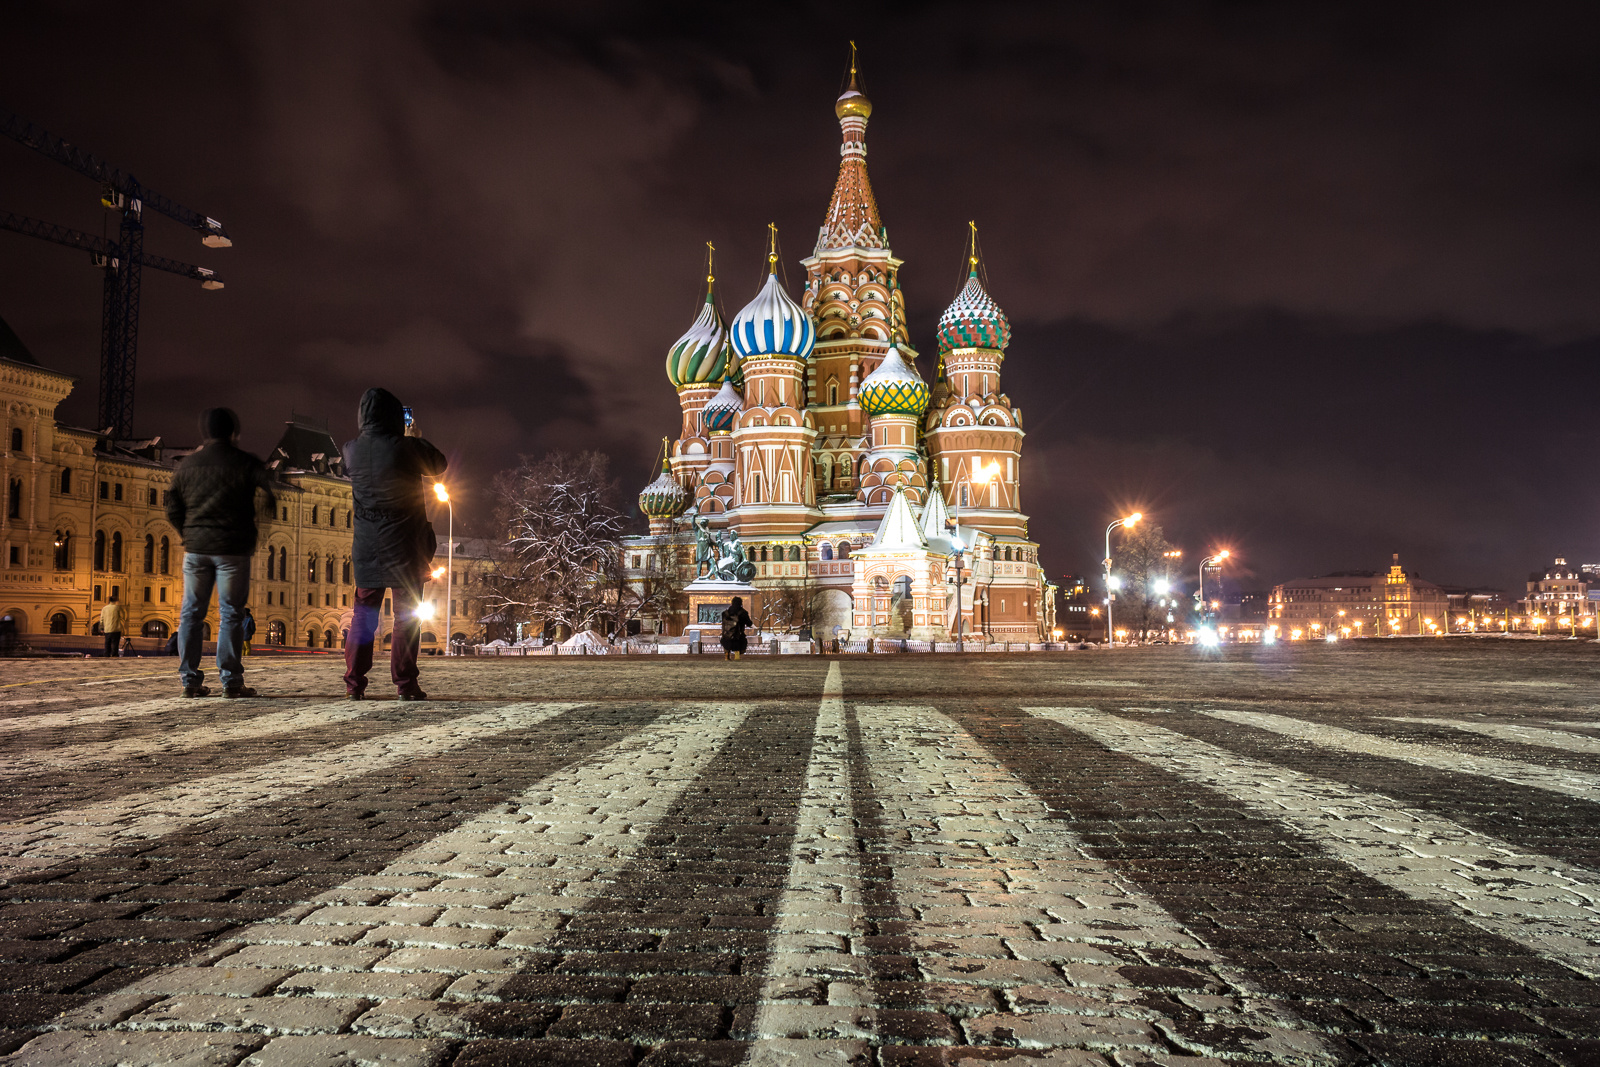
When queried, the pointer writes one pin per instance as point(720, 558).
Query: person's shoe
point(234, 692)
point(414, 694)
point(196, 691)
point(356, 694)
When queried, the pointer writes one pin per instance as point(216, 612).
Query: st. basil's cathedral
point(853, 488)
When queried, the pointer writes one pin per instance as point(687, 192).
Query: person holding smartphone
point(394, 542)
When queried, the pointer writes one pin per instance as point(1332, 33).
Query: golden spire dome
point(854, 101)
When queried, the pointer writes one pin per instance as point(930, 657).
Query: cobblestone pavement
point(1369, 853)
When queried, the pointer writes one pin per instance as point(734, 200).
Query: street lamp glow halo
point(441, 492)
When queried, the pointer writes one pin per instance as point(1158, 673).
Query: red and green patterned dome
point(895, 388)
point(973, 320)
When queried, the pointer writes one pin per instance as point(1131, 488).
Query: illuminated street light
point(1200, 592)
point(443, 494)
point(1111, 594)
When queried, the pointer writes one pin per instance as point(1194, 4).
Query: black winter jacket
point(212, 501)
point(393, 539)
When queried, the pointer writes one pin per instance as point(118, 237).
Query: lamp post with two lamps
point(979, 476)
point(443, 494)
point(1111, 590)
point(1200, 588)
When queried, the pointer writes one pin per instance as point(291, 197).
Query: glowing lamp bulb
point(441, 492)
point(425, 610)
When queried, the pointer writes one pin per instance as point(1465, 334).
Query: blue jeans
point(231, 577)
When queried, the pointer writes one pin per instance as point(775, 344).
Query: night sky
point(1317, 284)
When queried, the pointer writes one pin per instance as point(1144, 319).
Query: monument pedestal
point(710, 597)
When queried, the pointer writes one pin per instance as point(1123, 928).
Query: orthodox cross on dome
point(772, 248)
point(711, 273)
point(972, 257)
point(852, 220)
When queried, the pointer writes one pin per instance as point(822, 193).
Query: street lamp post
point(979, 476)
point(449, 567)
point(1201, 593)
point(1111, 594)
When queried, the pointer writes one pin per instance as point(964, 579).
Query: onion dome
point(894, 388)
point(664, 497)
point(722, 409)
point(973, 320)
point(773, 324)
point(697, 358)
point(854, 101)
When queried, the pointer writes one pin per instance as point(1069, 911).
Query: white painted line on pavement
point(226, 732)
point(1527, 735)
point(1554, 779)
point(478, 900)
point(64, 720)
point(50, 838)
point(820, 907)
point(1546, 904)
point(1007, 894)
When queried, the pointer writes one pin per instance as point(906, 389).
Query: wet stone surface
point(1375, 853)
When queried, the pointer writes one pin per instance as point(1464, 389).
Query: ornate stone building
point(85, 516)
point(808, 430)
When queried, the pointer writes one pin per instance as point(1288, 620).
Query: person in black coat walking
point(213, 502)
point(734, 620)
point(394, 542)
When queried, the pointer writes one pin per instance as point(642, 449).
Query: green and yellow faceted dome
point(895, 388)
point(702, 354)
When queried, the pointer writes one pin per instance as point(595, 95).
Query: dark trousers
point(364, 628)
point(114, 644)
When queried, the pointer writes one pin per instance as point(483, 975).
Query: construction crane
point(122, 259)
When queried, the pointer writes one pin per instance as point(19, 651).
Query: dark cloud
point(1314, 279)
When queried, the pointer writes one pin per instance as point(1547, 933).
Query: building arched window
point(283, 565)
point(763, 554)
point(833, 393)
point(311, 567)
point(844, 550)
point(827, 550)
point(345, 572)
point(14, 499)
point(116, 552)
point(327, 569)
point(166, 554)
point(66, 481)
point(277, 633)
point(99, 550)
point(149, 553)
point(63, 550)
point(313, 514)
point(59, 623)
point(272, 560)
point(16, 439)
point(311, 638)
point(347, 518)
point(794, 553)
point(155, 628)
point(327, 639)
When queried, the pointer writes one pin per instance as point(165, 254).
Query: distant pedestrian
point(113, 617)
point(248, 630)
point(394, 542)
point(734, 620)
point(212, 502)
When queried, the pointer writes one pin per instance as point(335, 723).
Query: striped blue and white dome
point(773, 325)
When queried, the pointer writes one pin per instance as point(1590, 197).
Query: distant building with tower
point(1363, 603)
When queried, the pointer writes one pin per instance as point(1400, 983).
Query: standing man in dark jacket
point(394, 542)
point(213, 505)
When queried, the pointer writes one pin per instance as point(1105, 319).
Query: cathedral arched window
point(794, 553)
point(844, 549)
point(827, 550)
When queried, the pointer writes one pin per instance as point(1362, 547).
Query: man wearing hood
point(212, 503)
point(394, 542)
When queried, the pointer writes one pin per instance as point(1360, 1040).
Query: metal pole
point(449, 578)
point(1111, 595)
